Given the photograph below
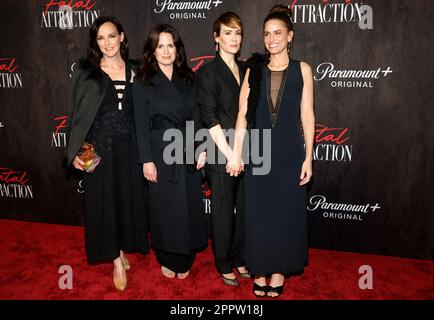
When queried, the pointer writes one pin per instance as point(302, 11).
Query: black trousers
point(227, 227)
point(178, 263)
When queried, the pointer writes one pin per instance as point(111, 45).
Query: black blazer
point(218, 95)
point(163, 105)
point(89, 85)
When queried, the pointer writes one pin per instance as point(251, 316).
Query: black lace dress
point(115, 196)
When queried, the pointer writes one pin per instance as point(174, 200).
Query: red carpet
point(31, 254)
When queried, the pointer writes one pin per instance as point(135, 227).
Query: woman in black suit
point(101, 112)
point(218, 88)
point(164, 99)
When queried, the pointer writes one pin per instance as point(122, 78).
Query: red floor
point(32, 254)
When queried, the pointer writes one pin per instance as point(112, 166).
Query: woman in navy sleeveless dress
point(277, 97)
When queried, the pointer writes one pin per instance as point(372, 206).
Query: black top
point(88, 88)
point(163, 105)
point(218, 93)
point(115, 115)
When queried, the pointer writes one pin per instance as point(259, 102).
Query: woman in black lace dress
point(101, 112)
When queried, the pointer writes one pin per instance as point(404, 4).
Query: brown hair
point(149, 65)
point(282, 13)
point(229, 19)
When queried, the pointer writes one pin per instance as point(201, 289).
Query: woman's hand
point(306, 172)
point(78, 163)
point(150, 171)
point(235, 165)
point(201, 160)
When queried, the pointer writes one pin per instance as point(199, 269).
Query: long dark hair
point(94, 54)
point(149, 65)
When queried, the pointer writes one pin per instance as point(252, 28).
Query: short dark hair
point(94, 53)
point(229, 19)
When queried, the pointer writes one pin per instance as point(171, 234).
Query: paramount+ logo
point(185, 10)
point(350, 77)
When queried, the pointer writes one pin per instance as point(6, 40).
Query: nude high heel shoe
point(119, 279)
point(127, 265)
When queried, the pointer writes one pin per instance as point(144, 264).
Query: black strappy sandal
point(257, 287)
point(277, 290)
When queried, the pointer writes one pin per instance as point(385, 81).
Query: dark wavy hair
point(149, 65)
point(94, 54)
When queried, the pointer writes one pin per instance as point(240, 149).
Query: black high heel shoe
point(277, 290)
point(257, 287)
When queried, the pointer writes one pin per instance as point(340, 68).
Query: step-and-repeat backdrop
point(373, 70)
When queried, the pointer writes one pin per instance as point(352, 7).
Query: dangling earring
point(217, 47)
point(289, 47)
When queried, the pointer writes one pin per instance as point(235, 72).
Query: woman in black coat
point(100, 112)
point(218, 87)
point(165, 101)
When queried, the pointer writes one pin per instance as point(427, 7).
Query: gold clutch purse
point(88, 155)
